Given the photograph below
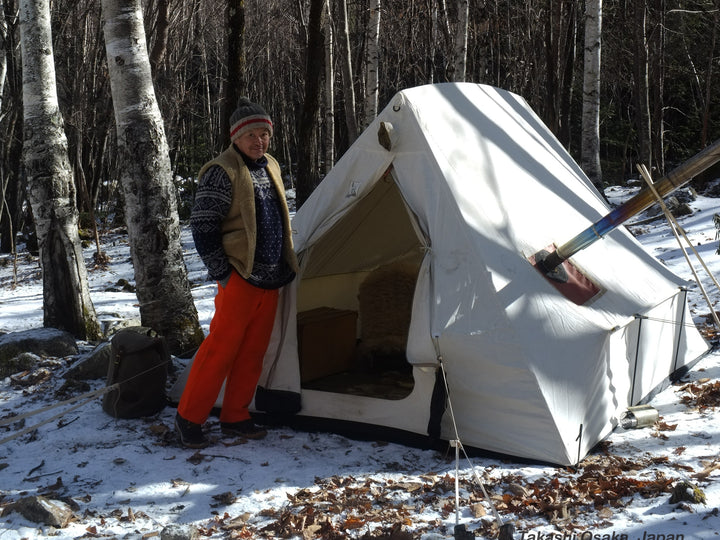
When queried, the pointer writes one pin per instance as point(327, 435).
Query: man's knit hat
point(247, 116)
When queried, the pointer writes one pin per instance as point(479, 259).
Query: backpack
point(139, 365)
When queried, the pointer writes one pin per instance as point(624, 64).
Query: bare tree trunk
point(236, 84)
point(372, 62)
point(709, 88)
point(329, 90)
point(13, 184)
point(567, 74)
point(51, 190)
point(162, 286)
point(442, 41)
point(7, 230)
point(658, 75)
point(308, 177)
point(3, 52)
point(433, 39)
point(642, 86)
point(553, 24)
point(590, 151)
point(461, 41)
point(5, 216)
point(347, 72)
point(157, 55)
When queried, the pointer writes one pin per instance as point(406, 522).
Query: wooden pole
point(675, 228)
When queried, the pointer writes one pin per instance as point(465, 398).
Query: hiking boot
point(246, 428)
point(189, 433)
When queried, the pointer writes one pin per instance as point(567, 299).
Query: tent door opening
point(355, 299)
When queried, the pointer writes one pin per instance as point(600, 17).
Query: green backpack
point(139, 368)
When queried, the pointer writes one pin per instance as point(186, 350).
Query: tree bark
point(709, 87)
point(51, 190)
point(13, 183)
point(347, 72)
point(434, 51)
point(461, 41)
point(642, 86)
point(567, 74)
point(553, 24)
point(151, 216)
point(590, 151)
point(329, 159)
point(658, 76)
point(7, 232)
point(372, 62)
point(236, 86)
point(3, 51)
point(157, 55)
point(560, 54)
point(308, 177)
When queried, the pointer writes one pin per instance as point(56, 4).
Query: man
point(241, 227)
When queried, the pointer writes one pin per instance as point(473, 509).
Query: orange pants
point(233, 352)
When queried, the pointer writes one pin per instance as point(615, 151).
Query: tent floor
point(393, 382)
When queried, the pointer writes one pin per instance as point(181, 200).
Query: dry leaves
point(340, 506)
point(701, 394)
point(603, 482)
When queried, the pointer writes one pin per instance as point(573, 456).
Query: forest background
point(323, 68)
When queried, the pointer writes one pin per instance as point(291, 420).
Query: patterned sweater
point(212, 204)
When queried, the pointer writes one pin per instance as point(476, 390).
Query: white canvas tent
point(466, 186)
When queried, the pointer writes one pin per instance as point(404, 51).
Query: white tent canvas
point(466, 186)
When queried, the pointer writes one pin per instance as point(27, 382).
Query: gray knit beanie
point(247, 116)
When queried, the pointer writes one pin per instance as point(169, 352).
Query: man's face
point(254, 143)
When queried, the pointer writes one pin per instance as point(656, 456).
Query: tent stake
point(505, 530)
point(675, 228)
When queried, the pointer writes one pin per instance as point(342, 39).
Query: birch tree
point(51, 189)
point(151, 216)
point(347, 72)
point(461, 41)
point(372, 61)
point(432, 57)
point(590, 146)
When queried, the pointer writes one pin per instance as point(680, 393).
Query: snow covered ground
point(130, 479)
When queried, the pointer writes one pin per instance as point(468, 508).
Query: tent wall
point(657, 344)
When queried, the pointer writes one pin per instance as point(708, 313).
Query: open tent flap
point(365, 265)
